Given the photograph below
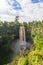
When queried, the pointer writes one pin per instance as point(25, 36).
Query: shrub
point(35, 58)
point(38, 41)
point(22, 61)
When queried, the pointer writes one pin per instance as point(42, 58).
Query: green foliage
point(9, 31)
point(38, 41)
point(34, 58)
point(22, 61)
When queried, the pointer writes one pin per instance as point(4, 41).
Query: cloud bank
point(27, 10)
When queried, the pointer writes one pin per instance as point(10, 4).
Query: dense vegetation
point(9, 32)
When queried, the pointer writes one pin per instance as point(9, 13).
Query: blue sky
point(36, 1)
point(28, 10)
point(15, 5)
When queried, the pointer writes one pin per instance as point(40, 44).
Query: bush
point(38, 41)
point(22, 61)
point(34, 58)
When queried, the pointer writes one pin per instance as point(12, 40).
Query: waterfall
point(21, 44)
point(24, 34)
point(22, 38)
point(21, 34)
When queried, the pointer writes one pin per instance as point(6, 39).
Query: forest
point(9, 32)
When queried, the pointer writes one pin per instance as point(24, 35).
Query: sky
point(27, 10)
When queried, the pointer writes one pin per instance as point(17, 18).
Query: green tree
point(38, 41)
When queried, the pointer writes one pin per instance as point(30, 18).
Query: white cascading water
point(21, 44)
point(24, 34)
point(22, 37)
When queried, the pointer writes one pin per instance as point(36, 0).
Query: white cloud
point(29, 10)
